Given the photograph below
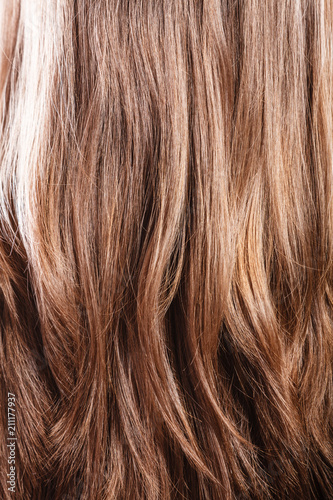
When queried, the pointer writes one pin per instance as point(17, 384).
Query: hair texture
point(166, 248)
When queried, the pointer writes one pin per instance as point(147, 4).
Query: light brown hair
point(166, 248)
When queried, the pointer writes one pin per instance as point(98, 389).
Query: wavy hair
point(166, 249)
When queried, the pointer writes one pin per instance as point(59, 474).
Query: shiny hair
point(166, 248)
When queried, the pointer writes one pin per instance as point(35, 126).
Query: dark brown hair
point(166, 249)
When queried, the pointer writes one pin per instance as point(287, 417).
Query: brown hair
point(166, 248)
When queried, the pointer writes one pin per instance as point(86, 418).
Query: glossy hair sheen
point(166, 248)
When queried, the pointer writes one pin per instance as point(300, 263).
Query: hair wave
point(166, 248)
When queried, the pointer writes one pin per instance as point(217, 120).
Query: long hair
point(166, 249)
